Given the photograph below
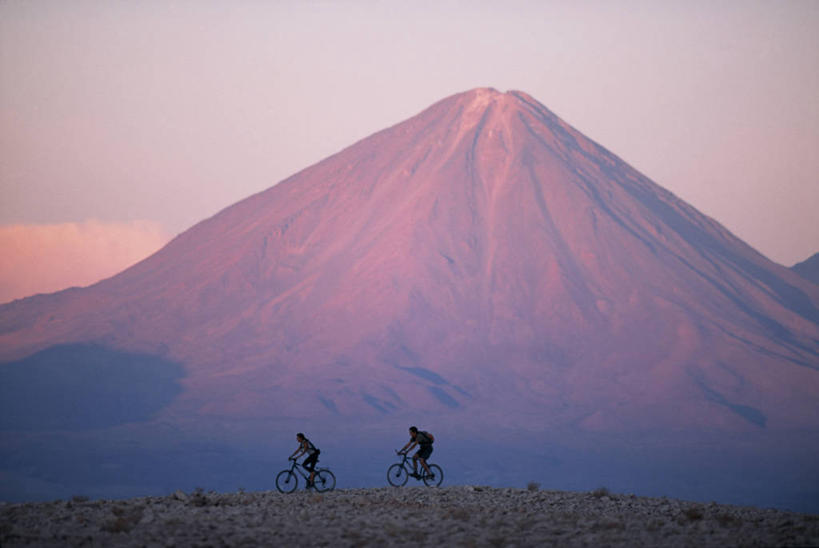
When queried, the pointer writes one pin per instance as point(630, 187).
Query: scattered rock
point(416, 516)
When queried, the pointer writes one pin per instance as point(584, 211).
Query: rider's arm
point(298, 452)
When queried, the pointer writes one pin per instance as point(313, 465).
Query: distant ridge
point(809, 268)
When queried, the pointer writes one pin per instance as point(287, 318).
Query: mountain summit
point(481, 259)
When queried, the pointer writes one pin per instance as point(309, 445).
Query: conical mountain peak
point(481, 254)
point(479, 99)
point(481, 269)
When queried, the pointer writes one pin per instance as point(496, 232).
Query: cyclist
point(309, 463)
point(424, 441)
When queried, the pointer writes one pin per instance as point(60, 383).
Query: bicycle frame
point(297, 467)
point(325, 480)
point(407, 465)
point(398, 473)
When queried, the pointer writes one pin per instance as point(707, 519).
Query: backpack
point(430, 438)
point(310, 447)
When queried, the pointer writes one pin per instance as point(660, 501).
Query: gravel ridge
point(409, 516)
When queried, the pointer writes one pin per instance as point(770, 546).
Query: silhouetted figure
point(309, 463)
point(424, 441)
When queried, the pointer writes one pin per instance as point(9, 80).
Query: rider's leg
point(415, 464)
point(424, 464)
point(310, 465)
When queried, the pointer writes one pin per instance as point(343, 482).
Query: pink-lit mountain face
point(481, 260)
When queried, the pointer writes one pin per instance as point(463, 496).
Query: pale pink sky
point(166, 112)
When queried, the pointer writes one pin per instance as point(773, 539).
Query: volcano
point(482, 259)
point(482, 270)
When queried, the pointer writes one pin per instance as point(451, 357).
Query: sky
point(124, 123)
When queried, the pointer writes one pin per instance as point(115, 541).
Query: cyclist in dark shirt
point(424, 442)
point(309, 463)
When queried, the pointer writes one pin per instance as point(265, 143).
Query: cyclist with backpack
point(423, 440)
point(309, 463)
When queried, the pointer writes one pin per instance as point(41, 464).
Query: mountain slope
point(480, 257)
point(809, 268)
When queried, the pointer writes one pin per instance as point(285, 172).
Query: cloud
point(43, 258)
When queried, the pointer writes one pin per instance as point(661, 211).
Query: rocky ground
point(408, 516)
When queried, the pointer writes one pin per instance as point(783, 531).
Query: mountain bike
point(288, 480)
point(398, 473)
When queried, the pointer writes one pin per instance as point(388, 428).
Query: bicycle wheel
point(324, 480)
point(287, 481)
point(437, 476)
point(397, 475)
